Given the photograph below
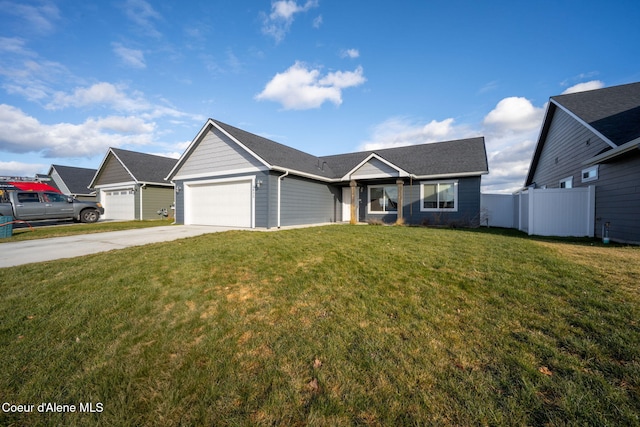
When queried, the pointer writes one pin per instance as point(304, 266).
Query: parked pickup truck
point(47, 205)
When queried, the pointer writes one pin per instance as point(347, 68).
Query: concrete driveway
point(18, 253)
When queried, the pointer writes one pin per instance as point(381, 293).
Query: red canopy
point(33, 186)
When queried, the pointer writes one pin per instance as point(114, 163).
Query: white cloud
point(131, 57)
point(317, 22)
point(32, 78)
point(14, 45)
point(14, 168)
point(21, 133)
point(104, 94)
point(401, 131)
point(302, 88)
point(143, 16)
point(350, 53)
point(278, 22)
point(514, 114)
point(581, 87)
point(39, 18)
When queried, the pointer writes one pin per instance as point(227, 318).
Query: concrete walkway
point(39, 250)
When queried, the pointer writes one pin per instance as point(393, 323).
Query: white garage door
point(224, 203)
point(118, 204)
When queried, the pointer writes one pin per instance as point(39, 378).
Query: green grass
point(71, 229)
point(338, 325)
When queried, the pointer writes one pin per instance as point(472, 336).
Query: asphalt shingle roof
point(612, 111)
point(442, 158)
point(76, 179)
point(145, 167)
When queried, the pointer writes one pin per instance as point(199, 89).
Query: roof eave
point(608, 155)
point(303, 174)
point(451, 175)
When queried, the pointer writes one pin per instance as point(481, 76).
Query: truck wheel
point(89, 215)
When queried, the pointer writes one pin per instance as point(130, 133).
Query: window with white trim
point(383, 198)
point(590, 174)
point(439, 196)
point(566, 182)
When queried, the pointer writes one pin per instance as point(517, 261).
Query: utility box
point(6, 226)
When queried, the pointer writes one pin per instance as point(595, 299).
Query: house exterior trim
point(347, 176)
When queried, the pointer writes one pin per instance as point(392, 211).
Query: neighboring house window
point(383, 198)
point(567, 182)
point(590, 174)
point(439, 196)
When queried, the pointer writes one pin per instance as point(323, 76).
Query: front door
point(346, 204)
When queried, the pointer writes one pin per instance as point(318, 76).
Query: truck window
point(54, 197)
point(28, 198)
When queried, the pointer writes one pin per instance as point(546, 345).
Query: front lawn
point(338, 325)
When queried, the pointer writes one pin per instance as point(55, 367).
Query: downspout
point(280, 178)
point(142, 187)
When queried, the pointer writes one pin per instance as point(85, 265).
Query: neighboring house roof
point(73, 180)
point(459, 158)
point(142, 168)
point(611, 113)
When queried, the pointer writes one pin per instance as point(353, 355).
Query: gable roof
point(76, 180)
point(448, 158)
point(461, 157)
point(143, 168)
point(612, 113)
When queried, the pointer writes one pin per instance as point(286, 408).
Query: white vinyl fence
point(542, 212)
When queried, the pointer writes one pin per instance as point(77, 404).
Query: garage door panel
point(118, 204)
point(224, 204)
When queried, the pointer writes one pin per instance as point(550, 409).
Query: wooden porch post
point(400, 184)
point(354, 200)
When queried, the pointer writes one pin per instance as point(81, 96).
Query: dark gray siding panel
point(568, 144)
point(306, 202)
point(468, 213)
point(618, 199)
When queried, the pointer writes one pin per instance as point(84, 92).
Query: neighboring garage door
point(118, 204)
point(224, 203)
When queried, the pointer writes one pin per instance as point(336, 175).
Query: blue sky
point(326, 77)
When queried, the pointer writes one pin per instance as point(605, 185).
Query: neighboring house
point(592, 138)
point(73, 181)
point(131, 185)
point(231, 177)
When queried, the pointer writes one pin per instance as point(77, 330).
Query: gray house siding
point(568, 144)
point(468, 213)
point(618, 199)
point(112, 173)
point(215, 153)
point(303, 201)
point(154, 199)
point(374, 167)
